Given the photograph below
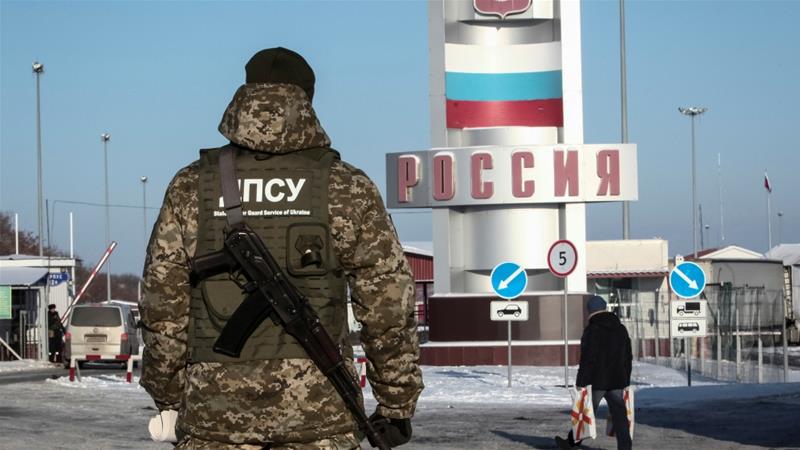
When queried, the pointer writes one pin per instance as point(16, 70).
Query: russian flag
point(509, 85)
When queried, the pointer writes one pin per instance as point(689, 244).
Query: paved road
point(82, 419)
point(755, 424)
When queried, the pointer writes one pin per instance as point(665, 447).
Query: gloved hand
point(395, 432)
point(162, 426)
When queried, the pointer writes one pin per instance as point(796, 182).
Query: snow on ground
point(530, 385)
point(94, 383)
point(680, 396)
point(24, 365)
point(108, 412)
point(446, 385)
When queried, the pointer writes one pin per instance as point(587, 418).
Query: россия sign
point(496, 175)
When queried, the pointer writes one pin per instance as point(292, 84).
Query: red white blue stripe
point(483, 87)
point(511, 85)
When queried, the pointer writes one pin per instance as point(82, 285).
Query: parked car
point(101, 329)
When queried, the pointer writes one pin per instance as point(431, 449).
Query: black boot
point(568, 443)
point(563, 443)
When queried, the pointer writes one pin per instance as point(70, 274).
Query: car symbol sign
point(509, 280)
point(508, 310)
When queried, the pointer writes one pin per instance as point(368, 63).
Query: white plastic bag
point(162, 426)
point(627, 397)
point(582, 414)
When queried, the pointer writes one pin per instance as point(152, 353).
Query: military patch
point(274, 194)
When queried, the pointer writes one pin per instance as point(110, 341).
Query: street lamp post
point(623, 81)
point(780, 226)
point(143, 179)
point(38, 69)
point(693, 111)
point(105, 137)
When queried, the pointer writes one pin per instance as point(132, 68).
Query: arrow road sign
point(509, 280)
point(692, 284)
point(687, 280)
point(504, 283)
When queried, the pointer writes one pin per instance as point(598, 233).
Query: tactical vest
point(285, 201)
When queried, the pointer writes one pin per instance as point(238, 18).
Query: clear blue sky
point(157, 76)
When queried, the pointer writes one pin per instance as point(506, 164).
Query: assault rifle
point(269, 294)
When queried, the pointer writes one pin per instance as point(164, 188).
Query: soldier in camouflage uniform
point(280, 403)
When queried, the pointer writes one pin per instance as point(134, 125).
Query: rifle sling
point(230, 188)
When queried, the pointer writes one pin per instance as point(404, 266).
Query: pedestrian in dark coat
point(55, 334)
point(606, 360)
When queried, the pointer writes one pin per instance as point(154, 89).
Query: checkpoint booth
point(28, 284)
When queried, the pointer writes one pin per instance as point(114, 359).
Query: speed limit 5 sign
point(562, 258)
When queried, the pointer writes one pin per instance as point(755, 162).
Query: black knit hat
point(280, 65)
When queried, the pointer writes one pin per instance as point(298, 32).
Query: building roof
point(423, 248)
point(731, 252)
point(788, 253)
point(21, 276)
point(25, 257)
point(627, 273)
point(18, 256)
point(36, 261)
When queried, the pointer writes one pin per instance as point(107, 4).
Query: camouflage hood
point(272, 118)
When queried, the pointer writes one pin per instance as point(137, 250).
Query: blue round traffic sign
point(509, 280)
point(687, 280)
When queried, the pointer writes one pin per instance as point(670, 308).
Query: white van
point(102, 329)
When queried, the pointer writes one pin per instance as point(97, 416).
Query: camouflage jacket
point(287, 400)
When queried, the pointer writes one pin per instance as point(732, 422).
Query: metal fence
point(745, 341)
point(26, 331)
